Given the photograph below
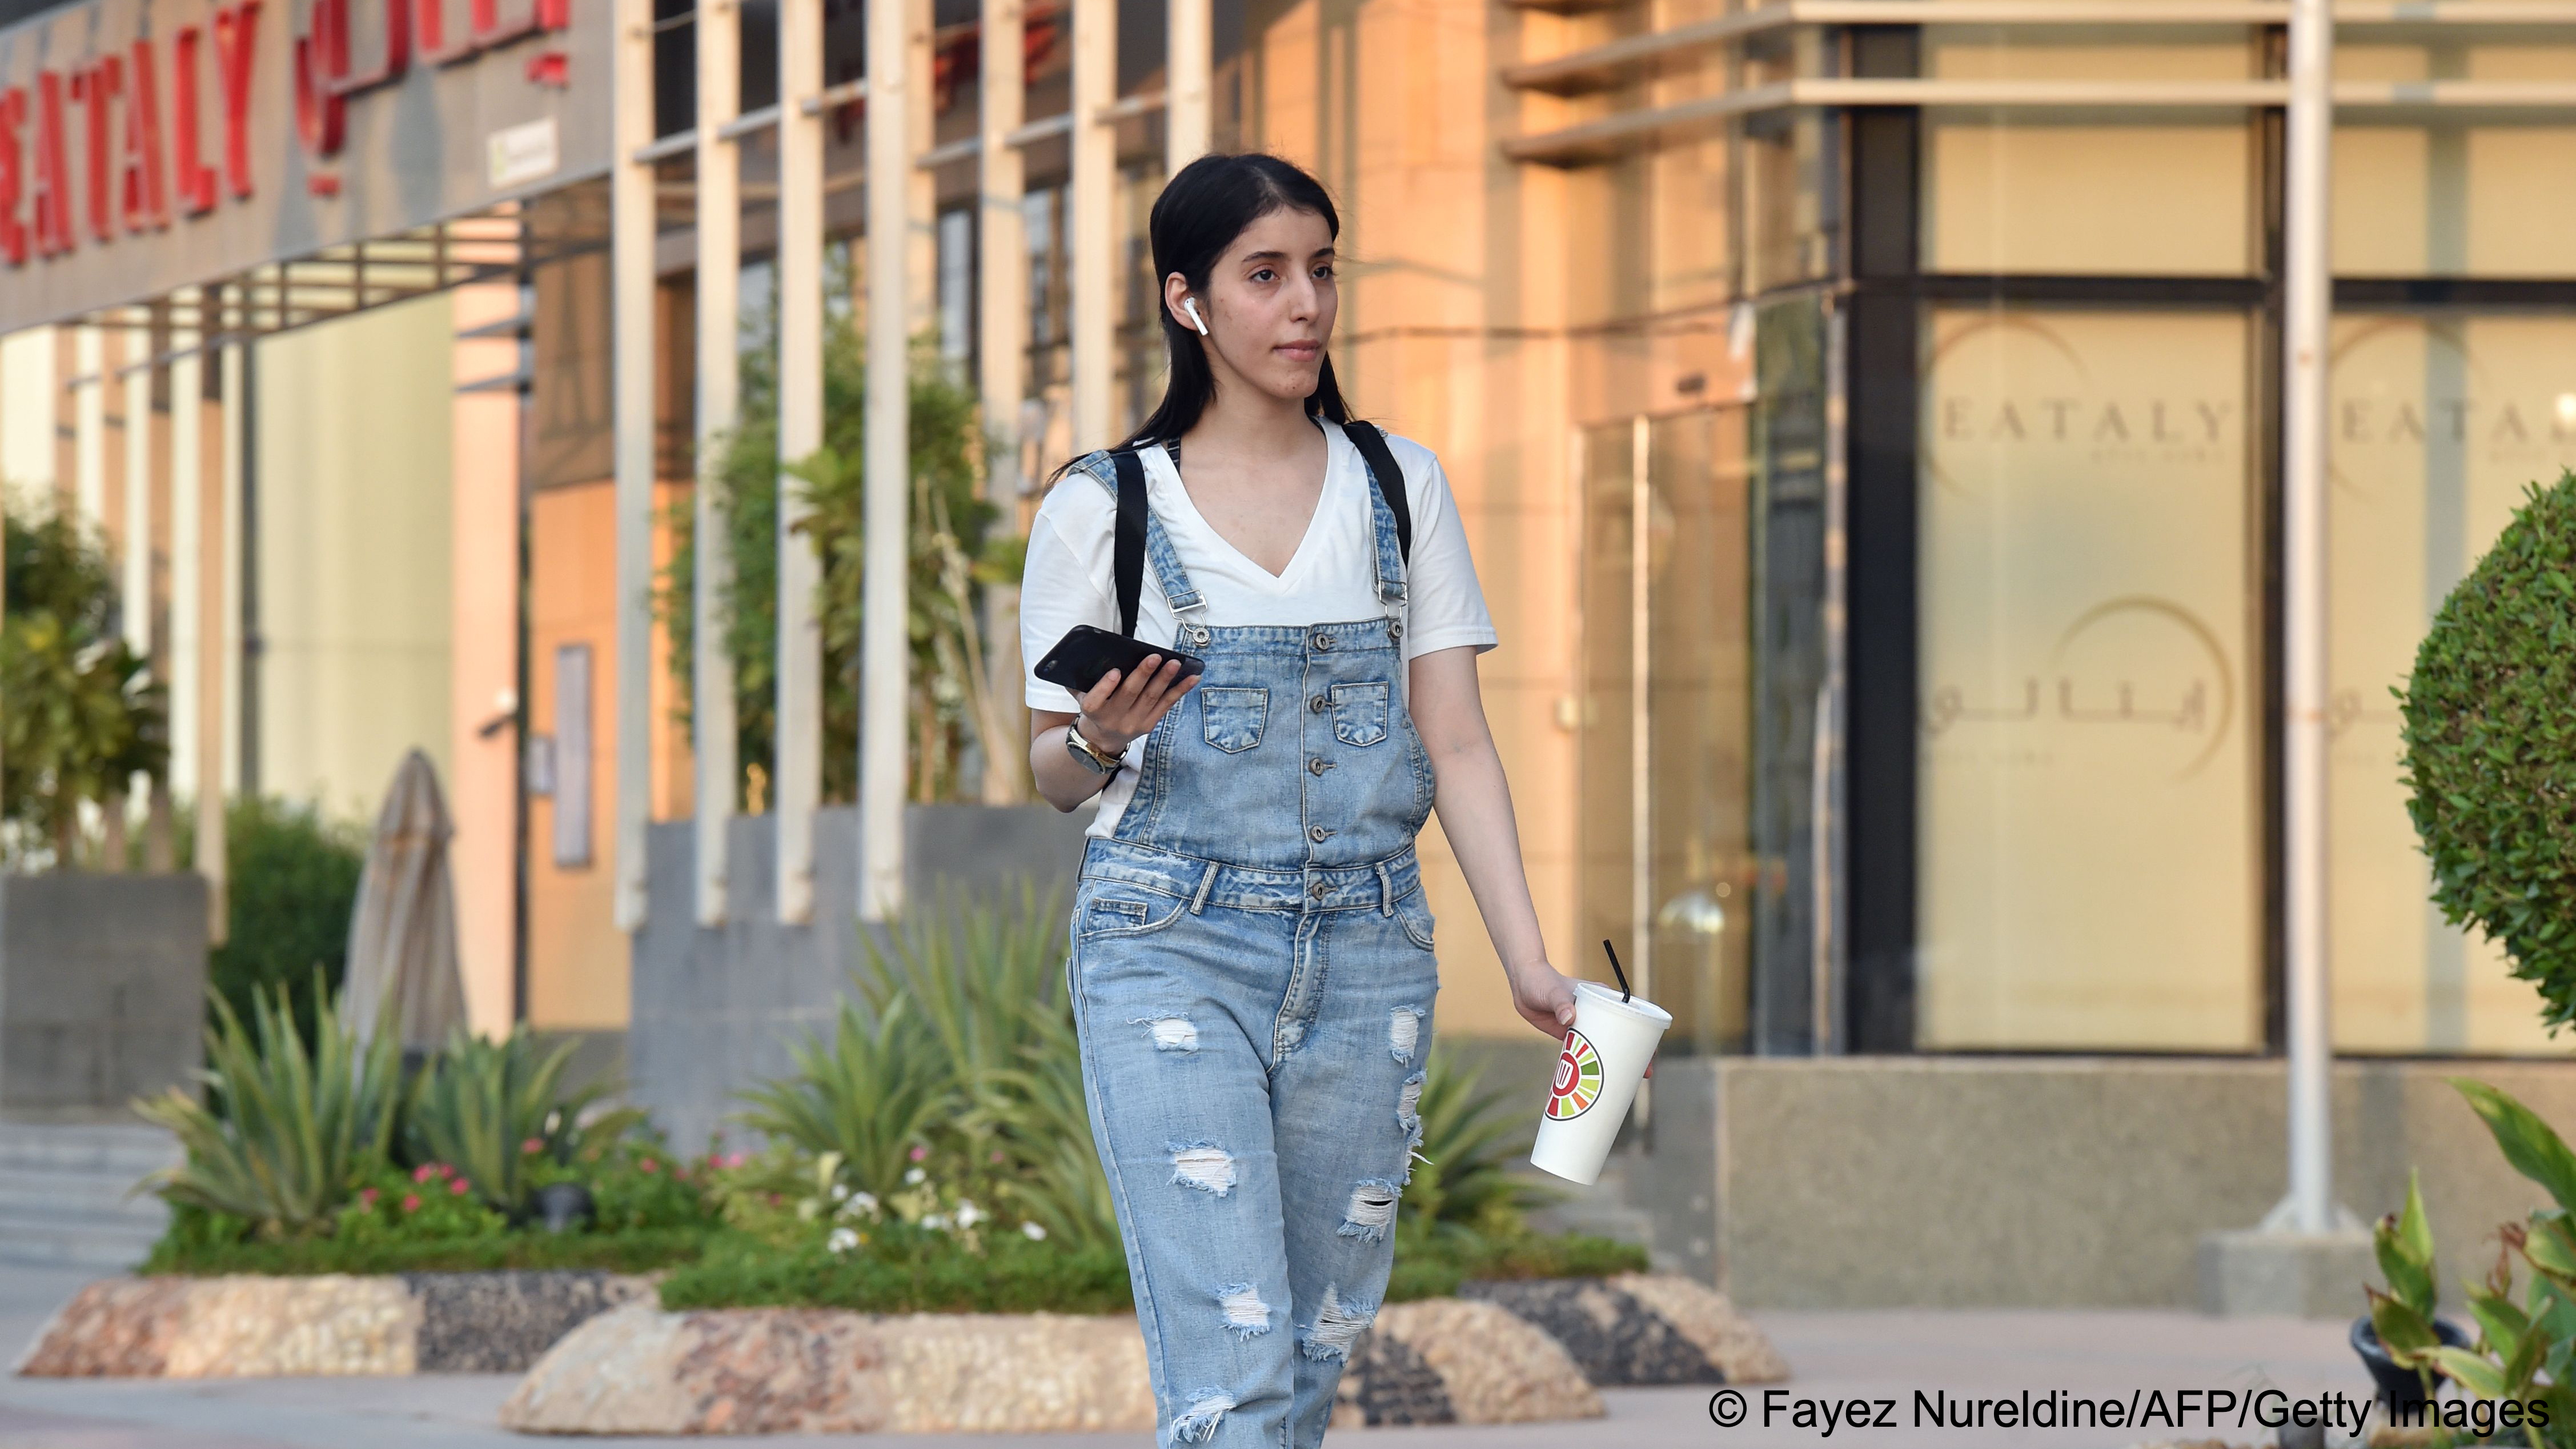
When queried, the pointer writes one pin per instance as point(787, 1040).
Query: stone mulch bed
point(1499, 1356)
point(602, 1357)
point(260, 1327)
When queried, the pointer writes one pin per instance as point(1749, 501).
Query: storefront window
point(2038, 191)
point(2439, 423)
point(2454, 198)
point(1666, 873)
point(2089, 867)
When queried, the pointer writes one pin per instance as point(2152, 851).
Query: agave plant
point(973, 969)
point(1039, 1112)
point(1461, 1174)
point(871, 1092)
point(493, 1110)
point(285, 1132)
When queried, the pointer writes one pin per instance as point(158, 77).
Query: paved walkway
point(1836, 1356)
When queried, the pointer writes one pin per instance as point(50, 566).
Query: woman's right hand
point(1120, 710)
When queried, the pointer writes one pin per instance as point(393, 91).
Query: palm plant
point(1040, 1111)
point(493, 1110)
point(285, 1132)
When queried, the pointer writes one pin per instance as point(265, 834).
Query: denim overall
point(1252, 983)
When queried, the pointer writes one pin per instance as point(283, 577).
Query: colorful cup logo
point(1578, 1079)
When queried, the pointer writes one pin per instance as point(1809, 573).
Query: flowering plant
point(431, 1203)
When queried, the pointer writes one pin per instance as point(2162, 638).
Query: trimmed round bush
point(2490, 732)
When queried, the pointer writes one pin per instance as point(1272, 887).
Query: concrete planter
point(102, 988)
point(714, 1008)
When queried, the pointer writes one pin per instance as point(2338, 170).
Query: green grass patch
point(638, 1250)
point(926, 1275)
point(899, 1272)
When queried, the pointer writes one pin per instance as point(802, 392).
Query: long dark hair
point(1212, 201)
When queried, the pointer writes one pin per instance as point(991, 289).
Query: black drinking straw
point(1614, 968)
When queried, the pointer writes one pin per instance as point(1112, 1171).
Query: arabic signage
point(2090, 873)
point(147, 145)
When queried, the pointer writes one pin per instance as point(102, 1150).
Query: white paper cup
point(1597, 1073)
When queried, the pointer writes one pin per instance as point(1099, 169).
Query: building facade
point(1864, 413)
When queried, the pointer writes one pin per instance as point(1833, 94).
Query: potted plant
point(2404, 1315)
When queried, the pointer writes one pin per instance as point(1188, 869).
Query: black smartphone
point(1085, 653)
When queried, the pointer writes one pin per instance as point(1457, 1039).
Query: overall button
point(1317, 834)
point(1318, 765)
point(1395, 633)
point(1323, 641)
point(1319, 704)
point(1316, 890)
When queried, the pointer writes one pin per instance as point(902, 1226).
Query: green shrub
point(80, 715)
point(201, 1244)
point(498, 1110)
point(287, 1133)
point(1432, 1264)
point(2491, 746)
point(293, 882)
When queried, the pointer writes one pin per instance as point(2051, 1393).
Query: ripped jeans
point(1252, 1047)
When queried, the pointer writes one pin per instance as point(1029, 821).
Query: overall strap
point(1388, 477)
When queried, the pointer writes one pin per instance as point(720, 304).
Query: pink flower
point(649, 1165)
point(424, 1172)
point(736, 1160)
point(367, 1196)
point(533, 1146)
point(411, 1202)
point(919, 1153)
point(997, 1154)
point(457, 1188)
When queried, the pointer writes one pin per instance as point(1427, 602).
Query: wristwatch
point(1088, 756)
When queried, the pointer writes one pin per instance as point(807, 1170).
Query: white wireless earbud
point(1191, 306)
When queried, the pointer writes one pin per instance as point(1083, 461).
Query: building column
point(1091, 223)
point(1002, 308)
point(1185, 95)
point(885, 648)
point(796, 775)
point(630, 230)
point(199, 400)
point(719, 218)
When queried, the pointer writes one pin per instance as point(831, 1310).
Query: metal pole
point(796, 779)
point(885, 675)
point(2307, 304)
point(630, 232)
point(719, 217)
point(1185, 106)
point(1088, 240)
point(1002, 364)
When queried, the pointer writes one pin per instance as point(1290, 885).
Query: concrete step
point(64, 1192)
point(49, 1243)
point(135, 1148)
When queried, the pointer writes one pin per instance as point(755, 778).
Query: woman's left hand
point(1545, 999)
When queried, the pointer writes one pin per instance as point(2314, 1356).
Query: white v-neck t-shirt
point(1331, 579)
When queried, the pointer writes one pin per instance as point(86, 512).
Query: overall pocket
point(1359, 713)
point(1123, 914)
point(1231, 717)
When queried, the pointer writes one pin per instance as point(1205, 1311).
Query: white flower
point(840, 1192)
point(968, 1215)
point(1034, 1232)
point(935, 1223)
point(842, 1240)
point(915, 1177)
point(860, 1205)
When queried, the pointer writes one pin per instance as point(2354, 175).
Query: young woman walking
point(1252, 970)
